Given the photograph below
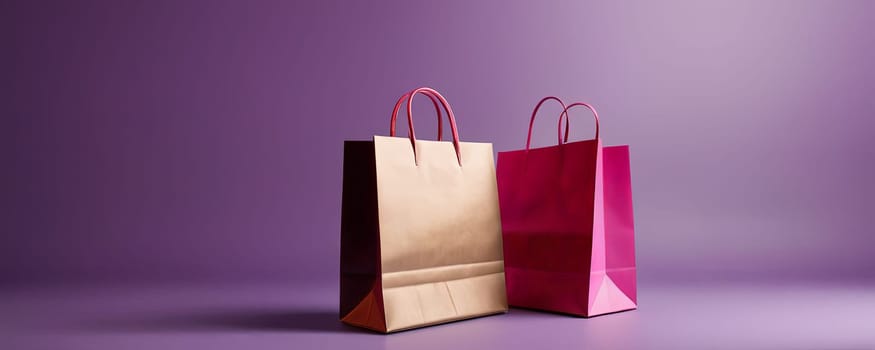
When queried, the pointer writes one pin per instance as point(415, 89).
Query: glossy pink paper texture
point(568, 228)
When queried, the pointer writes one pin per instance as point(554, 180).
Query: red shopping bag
point(567, 224)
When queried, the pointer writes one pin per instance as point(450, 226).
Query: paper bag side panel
point(619, 220)
point(597, 262)
point(359, 244)
point(613, 278)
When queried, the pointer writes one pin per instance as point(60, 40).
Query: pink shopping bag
point(567, 224)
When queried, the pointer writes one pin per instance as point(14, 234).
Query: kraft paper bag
point(567, 225)
point(420, 230)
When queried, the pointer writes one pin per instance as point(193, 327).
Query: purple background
point(187, 140)
point(170, 171)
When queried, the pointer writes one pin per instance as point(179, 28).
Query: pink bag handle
point(565, 114)
point(431, 93)
point(434, 100)
point(535, 112)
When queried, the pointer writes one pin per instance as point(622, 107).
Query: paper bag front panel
point(440, 232)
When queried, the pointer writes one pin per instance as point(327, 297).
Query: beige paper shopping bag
point(420, 230)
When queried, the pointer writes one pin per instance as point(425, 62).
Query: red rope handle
point(431, 93)
point(535, 112)
point(565, 115)
point(434, 100)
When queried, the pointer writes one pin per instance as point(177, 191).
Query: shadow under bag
point(567, 225)
point(420, 230)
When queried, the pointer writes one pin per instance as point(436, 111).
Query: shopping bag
point(420, 229)
point(567, 224)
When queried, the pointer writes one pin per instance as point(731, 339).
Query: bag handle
point(434, 101)
point(535, 112)
point(565, 115)
point(443, 101)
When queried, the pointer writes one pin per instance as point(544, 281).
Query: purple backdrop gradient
point(190, 140)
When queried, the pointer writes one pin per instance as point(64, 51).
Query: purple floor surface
point(718, 316)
